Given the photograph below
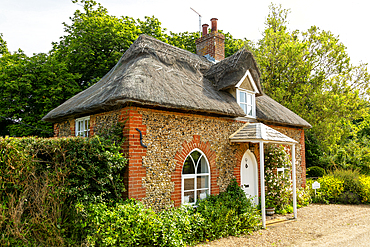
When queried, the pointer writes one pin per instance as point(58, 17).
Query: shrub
point(131, 224)
point(125, 224)
point(343, 186)
point(182, 225)
point(229, 213)
point(351, 179)
point(315, 171)
point(42, 179)
point(330, 189)
point(303, 196)
point(365, 188)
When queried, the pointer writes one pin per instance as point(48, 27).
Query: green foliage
point(183, 225)
point(330, 189)
point(131, 224)
point(126, 224)
point(29, 88)
point(310, 73)
point(365, 188)
point(342, 186)
point(303, 197)
point(279, 192)
point(96, 40)
point(229, 213)
point(42, 179)
point(3, 46)
point(315, 171)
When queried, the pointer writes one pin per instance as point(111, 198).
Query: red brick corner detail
point(180, 157)
point(135, 171)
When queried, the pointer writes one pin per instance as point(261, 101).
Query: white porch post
point(262, 178)
point(294, 183)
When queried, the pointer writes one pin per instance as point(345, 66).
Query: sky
point(33, 25)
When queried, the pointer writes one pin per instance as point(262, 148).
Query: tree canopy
point(310, 73)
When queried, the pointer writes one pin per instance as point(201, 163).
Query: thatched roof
point(153, 73)
point(268, 110)
point(228, 72)
point(156, 74)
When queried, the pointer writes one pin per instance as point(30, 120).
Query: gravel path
point(317, 225)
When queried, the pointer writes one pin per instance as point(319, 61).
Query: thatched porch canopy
point(256, 132)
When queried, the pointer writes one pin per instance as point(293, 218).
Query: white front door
point(249, 176)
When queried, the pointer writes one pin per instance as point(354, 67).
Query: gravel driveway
point(317, 225)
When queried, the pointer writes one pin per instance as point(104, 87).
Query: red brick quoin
point(180, 157)
point(135, 170)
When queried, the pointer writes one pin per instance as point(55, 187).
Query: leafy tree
point(29, 88)
point(95, 40)
point(3, 46)
point(310, 73)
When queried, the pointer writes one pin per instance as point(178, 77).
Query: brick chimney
point(212, 43)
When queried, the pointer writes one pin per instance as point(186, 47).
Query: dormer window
point(246, 90)
point(247, 100)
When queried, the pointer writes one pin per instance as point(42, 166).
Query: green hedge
point(42, 179)
point(342, 186)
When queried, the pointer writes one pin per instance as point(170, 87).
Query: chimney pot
point(205, 29)
point(214, 24)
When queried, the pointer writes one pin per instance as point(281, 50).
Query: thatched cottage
point(191, 124)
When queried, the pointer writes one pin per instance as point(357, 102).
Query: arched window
point(195, 177)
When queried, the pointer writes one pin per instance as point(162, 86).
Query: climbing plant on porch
point(278, 168)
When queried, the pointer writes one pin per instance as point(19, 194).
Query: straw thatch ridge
point(227, 73)
point(153, 73)
point(271, 111)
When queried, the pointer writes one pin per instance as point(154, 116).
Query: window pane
point(249, 99)
point(244, 107)
point(188, 166)
point(202, 182)
point(202, 166)
point(189, 197)
point(79, 126)
point(202, 194)
point(242, 96)
point(195, 156)
point(249, 112)
point(189, 184)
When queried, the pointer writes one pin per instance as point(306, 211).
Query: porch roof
point(257, 132)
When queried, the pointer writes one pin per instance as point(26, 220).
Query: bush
point(315, 171)
point(351, 179)
point(131, 224)
point(182, 225)
point(42, 179)
point(342, 186)
point(229, 213)
point(365, 188)
point(330, 189)
point(125, 224)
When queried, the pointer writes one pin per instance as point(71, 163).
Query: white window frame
point(185, 176)
point(84, 131)
point(253, 103)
